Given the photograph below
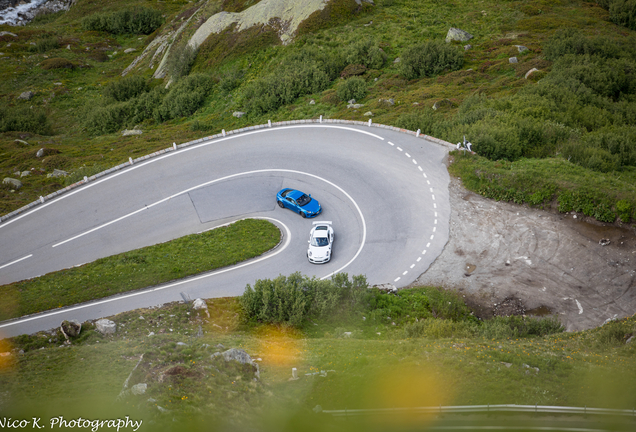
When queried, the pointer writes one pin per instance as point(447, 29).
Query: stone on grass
point(455, 34)
point(27, 95)
point(19, 141)
point(129, 50)
point(521, 48)
point(238, 114)
point(58, 173)
point(530, 72)
point(25, 173)
point(368, 114)
point(127, 132)
point(139, 389)
point(235, 354)
point(312, 102)
point(13, 182)
point(40, 153)
point(70, 328)
point(105, 326)
point(513, 60)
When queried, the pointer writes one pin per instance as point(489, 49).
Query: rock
point(351, 101)
point(359, 2)
point(455, 34)
point(70, 328)
point(387, 101)
point(130, 132)
point(388, 288)
point(234, 354)
point(506, 364)
point(521, 48)
point(6, 33)
point(139, 389)
point(57, 173)
point(182, 344)
point(17, 184)
point(105, 326)
point(317, 409)
point(238, 114)
point(40, 153)
point(467, 47)
point(19, 141)
point(199, 304)
point(530, 72)
point(513, 60)
point(347, 334)
point(631, 338)
point(312, 102)
point(25, 173)
point(397, 60)
point(368, 114)
point(604, 241)
point(68, 47)
point(27, 95)
point(355, 106)
point(441, 103)
point(151, 334)
point(129, 50)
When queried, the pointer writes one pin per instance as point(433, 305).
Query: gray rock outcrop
point(40, 153)
point(70, 328)
point(238, 114)
point(27, 95)
point(17, 184)
point(105, 326)
point(238, 355)
point(455, 34)
point(129, 132)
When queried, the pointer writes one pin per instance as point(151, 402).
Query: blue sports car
point(299, 202)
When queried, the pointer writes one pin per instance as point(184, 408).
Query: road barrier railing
point(224, 133)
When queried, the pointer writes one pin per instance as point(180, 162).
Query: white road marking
point(420, 168)
point(396, 279)
point(432, 236)
point(405, 273)
point(391, 143)
point(412, 265)
point(428, 182)
point(424, 175)
point(428, 244)
point(16, 261)
point(433, 197)
point(407, 155)
point(419, 259)
point(163, 287)
point(436, 219)
point(424, 252)
point(414, 161)
point(140, 164)
point(399, 148)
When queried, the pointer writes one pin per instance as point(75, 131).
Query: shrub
point(24, 120)
point(430, 58)
point(180, 63)
point(573, 41)
point(139, 20)
point(107, 119)
point(423, 121)
point(184, 97)
point(623, 12)
point(439, 328)
point(126, 88)
point(613, 333)
point(365, 52)
point(352, 88)
point(230, 81)
point(57, 63)
point(291, 300)
point(46, 44)
point(624, 209)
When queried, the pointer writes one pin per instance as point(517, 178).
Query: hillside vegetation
point(562, 136)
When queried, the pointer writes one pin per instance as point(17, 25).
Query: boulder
point(27, 95)
point(6, 33)
point(25, 173)
point(57, 173)
point(17, 184)
point(387, 101)
point(368, 114)
point(355, 106)
point(22, 142)
point(467, 47)
point(234, 354)
point(388, 288)
point(129, 50)
point(441, 103)
point(70, 328)
point(139, 389)
point(530, 72)
point(238, 114)
point(455, 34)
point(105, 326)
point(40, 153)
point(130, 132)
point(312, 102)
point(199, 304)
point(513, 60)
point(521, 48)
point(397, 60)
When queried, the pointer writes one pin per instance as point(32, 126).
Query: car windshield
point(303, 200)
point(320, 241)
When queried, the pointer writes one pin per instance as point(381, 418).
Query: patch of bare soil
point(510, 259)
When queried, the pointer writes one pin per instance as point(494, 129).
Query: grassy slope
point(369, 370)
point(396, 24)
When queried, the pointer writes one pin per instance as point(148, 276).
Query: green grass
point(593, 368)
point(140, 268)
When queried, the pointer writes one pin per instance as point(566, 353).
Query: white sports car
point(320, 241)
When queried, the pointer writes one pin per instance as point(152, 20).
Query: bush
point(57, 63)
point(623, 12)
point(352, 88)
point(180, 63)
point(291, 300)
point(624, 209)
point(107, 119)
point(430, 58)
point(126, 88)
point(140, 20)
point(573, 41)
point(184, 97)
point(45, 45)
point(440, 328)
point(24, 120)
point(365, 52)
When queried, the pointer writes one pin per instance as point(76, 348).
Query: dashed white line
point(432, 236)
point(396, 279)
point(428, 244)
point(412, 265)
point(399, 148)
point(433, 197)
point(405, 272)
point(420, 168)
point(424, 252)
point(419, 259)
point(16, 261)
point(407, 155)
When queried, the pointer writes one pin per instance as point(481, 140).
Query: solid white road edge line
point(159, 288)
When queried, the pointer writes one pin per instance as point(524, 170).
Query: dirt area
point(510, 259)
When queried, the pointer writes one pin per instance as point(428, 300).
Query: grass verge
point(140, 268)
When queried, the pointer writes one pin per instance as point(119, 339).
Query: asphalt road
point(385, 192)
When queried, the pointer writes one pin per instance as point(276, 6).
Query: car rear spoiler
point(322, 222)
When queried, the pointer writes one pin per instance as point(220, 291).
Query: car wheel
point(303, 214)
point(280, 204)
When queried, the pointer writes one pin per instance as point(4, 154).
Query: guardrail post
point(320, 118)
point(174, 145)
point(417, 134)
point(41, 199)
point(130, 160)
point(269, 123)
point(370, 122)
point(85, 179)
point(223, 131)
